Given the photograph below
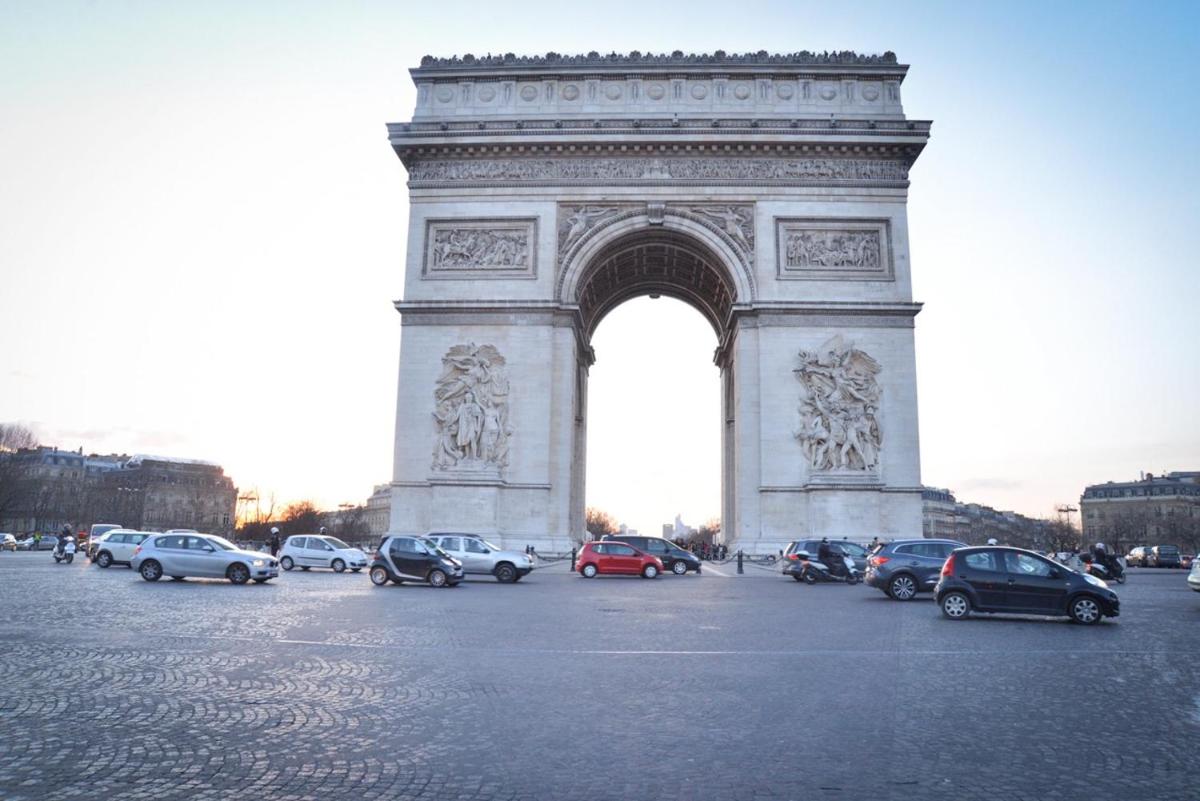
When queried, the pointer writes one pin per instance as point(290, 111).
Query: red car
point(617, 558)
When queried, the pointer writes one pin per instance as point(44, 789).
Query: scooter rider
point(831, 557)
point(61, 546)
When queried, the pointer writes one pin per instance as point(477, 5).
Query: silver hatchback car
point(202, 556)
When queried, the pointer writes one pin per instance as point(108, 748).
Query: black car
point(902, 568)
point(1000, 579)
point(400, 559)
point(674, 558)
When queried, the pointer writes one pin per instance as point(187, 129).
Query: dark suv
point(1000, 579)
point(903, 568)
point(1163, 556)
point(674, 558)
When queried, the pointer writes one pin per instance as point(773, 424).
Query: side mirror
point(485, 550)
point(208, 548)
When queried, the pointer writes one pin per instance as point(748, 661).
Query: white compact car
point(200, 555)
point(116, 546)
point(320, 551)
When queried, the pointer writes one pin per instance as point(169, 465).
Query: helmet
point(274, 530)
point(1100, 547)
point(322, 529)
point(992, 541)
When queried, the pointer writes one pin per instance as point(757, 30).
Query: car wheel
point(649, 571)
point(176, 578)
point(1085, 610)
point(338, 566)
point(238, 573)
point(437, 578)
point(903, 587)
point(809, 577)
point(286, 563)
point(679, 568)
point(379, 575)
point(104, 559)
point(956, 605)
point(505, 573)
point(150, 570)
point(589, 571)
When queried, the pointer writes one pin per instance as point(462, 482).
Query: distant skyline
point(202, 228)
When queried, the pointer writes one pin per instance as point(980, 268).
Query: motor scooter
point(811, 570)
point(64, 551)
point(1112, 570)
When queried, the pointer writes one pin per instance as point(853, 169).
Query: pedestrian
point(274, 540)
point(37, 540)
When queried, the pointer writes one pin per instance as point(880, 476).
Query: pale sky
point(202, 229)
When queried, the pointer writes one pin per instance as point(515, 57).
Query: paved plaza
point(321, 686)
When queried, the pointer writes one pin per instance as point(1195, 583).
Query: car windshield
point(222, 543)
point(433, 547)
point(336, 543)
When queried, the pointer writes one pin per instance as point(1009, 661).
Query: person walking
point(274, 541)
point(37, 540)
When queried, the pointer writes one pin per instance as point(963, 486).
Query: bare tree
point(351, 523)
point(13, 490)
point(301, 517)
point(599, 523)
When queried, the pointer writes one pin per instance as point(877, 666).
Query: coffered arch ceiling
point(656, 262)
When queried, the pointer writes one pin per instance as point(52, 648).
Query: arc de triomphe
point(766, 191)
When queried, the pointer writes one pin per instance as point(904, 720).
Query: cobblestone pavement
point(320, 686)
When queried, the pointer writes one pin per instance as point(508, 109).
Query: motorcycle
point(1112, 570)
point(64, 552)
point(811, 570)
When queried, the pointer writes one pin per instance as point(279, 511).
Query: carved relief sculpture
point(839, 409)
point(471, 410)
point(575, 221)
point(824, 249)
point(456, 248)
point(736, 221)
point(486, 248)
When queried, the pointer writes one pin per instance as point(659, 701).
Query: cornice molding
point(676, 59)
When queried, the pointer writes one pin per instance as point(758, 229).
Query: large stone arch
point(666, 224)
point(769, 192)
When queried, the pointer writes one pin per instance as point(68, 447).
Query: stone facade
point(769, 192)
point(945, 517)
point(57, 488)
point(1154, 510)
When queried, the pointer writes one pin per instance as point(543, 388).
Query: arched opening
point(660, 412)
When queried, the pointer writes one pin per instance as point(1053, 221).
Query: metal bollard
point(740, 570)
point(572, 560)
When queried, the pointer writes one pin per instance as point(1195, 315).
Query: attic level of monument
point(798, 85)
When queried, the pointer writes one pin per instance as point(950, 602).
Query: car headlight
point(258, 563)
point(1090, 579)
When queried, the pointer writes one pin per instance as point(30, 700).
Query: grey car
point(903, 568)
point(482, 558)
point(202, 556)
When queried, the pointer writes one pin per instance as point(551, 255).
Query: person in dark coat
point(274, 541)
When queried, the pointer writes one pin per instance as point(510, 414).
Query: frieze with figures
point(729, 169)
point(481, 248)
point(834, 248)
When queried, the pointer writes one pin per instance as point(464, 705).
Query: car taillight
point(374, 554)
point(948, 568)
point(137, 550)
point(876, 561)
point(793, 556)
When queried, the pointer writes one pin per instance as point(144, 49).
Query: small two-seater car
point(402, 558)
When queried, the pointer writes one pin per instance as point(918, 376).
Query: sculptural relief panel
point(841, 249)
point(667, 169)
point(471, 411)
point(839, 408)
point(481, 248)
